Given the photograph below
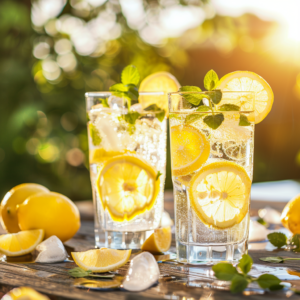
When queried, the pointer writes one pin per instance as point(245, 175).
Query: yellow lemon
point(101, 260)
point(99, 155)
point(12, 200)
point(290, 216)
point(249, 81)
point(21, 243)
point(219, 194)
point(158, 241)
point(24, 293)
point(127, 187)
point(189, 149)
point(158, 82)
point(53, 212)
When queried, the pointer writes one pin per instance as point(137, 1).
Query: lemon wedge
point(127, 186)
point(189, 149)
point(249, 81)
point(158, 82)
point(219, 194)
point(158, 241)
point(24, 293)
point(101, 260)
point(290, 216)
point(21, 243)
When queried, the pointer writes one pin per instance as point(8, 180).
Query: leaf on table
point(277, 239)
point(245, 263)
point(238, 283)
point(224, 271)
point(273, 259)
point(266, 281)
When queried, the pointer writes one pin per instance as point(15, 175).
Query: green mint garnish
point(79, 273)
point(216, 96)
point(105, 102)
point(130, 75)
point(262, 222)
point(229, 107)
point(244, 121)
point(94, 133)
point(211, 80)
point(130, 118)
point(193, 118)
point(158, 175)
point(194, 99)
point(295, 241)
point(87, 117)
point(214, 121)
point(174, 116)
point(277, 239)
point(239, 277)
point(159, 113)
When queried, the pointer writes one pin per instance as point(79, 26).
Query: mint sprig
point(211, 80)
point(278, 259)
point(277, 239)
point(239, 278)
point(95, 136)
point(80, 273)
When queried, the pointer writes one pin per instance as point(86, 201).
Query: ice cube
point(270, 215)
point(137, 107)
point(257, 232)
point(51, 250)
point(142, 273)
point(115, 102)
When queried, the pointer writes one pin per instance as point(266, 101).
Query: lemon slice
point(101, 260)
point(12, 200)
point(99, 155)
point(249, 81)
point(219, 194)
point(127, 187)
point(158, 82)
point(189, 149)
point(158, 241)
point(21, 243)
point(24, 293)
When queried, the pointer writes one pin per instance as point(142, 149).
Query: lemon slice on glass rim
point(127, 186)
point(245, 81)
point(220, 194)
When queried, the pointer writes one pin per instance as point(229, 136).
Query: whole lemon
point(290, 217)
point(53, 212)
point(12, 200)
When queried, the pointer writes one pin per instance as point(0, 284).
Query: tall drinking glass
point(127, 155)
point(212, 164)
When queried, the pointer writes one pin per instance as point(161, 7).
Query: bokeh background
point(53, 51)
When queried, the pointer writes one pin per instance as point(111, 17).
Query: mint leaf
point(132, 92)
point(238, 283)
point(229, 107)
point(193, 118)
point(266, 281)
point(118, 87)
point(276, 287)
point(214, 121)
point(211, 80)
point(203, 108)
point(262, 222)
point(158, 175)
point(152, 107)
point(94, 133)
point(130, 75)
point(161, 116)
point(277, 239)
point(174, 116)
point(87, 117)
point(244, 121)
point(216, 96)
point(131, 117)
point(273, 259)
point(224, 271)
point(192, 98)
point(245, 263)
point(78, 272)
point(295, 241)
point(105, 102)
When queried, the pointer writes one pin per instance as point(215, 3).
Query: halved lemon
point(158, 82)
point(21, 243)
point(158, 241)
point(249, 81)
point(101, 260)
point(219, 194)
point(189, 149)
point(24, 293)
point(127, 186)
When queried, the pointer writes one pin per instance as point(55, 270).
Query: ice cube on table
point(143, 272)
point(51, 250)
point(270, 215)
point(257, 232)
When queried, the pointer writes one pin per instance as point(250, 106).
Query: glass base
point(207, 255)
point(121, 240)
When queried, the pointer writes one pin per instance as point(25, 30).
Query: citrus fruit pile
point(31, 213)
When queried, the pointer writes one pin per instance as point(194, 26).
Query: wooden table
point(178, 281)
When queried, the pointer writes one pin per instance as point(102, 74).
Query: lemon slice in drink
point(21, 243)
point(127, 187)
point(189, 149)
point(249, 81)
point(158, 241)
point(219, 194)
point(99, 155)
point(158, 82)
point(101, 260)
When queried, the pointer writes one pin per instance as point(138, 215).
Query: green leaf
point(193, 118)
point(78, 272)
point(153, 107)
point(245, 263)
point(105, 102)
point(229, 107)
point(216, 96)
point(272, 259)
point(262, 222)
point(211, 80)
point(266, 281)
point(276, 287)
point(174, 116)
point(203, 108)
point(158, 175)
point(118, 87)
point(133, 92)
point(94, 133)
point(87, 117)
point(224, 271)
point(193, 98)
point(296, 291)
point(238, 283)
point(161, 116)
point(130, 75)
point(214, 121)
point(277, 239)
point(131, 117)
point(244, 121)
point(295, 241)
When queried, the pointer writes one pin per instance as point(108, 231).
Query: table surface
point(178, 281)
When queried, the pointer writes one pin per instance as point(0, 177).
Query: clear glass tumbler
point(212, 147)
point(127, 155)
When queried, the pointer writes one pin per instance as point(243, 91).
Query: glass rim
point(101, 94)
point(208, 92)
